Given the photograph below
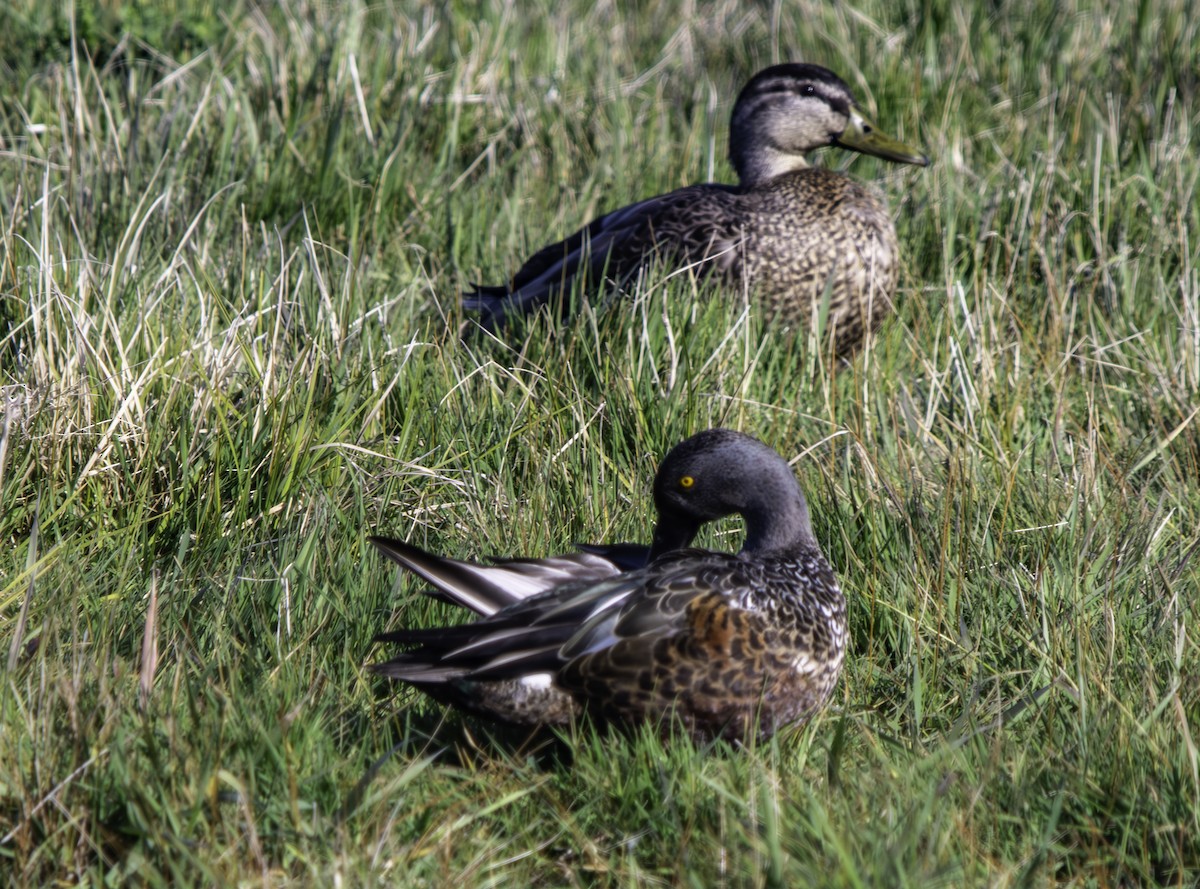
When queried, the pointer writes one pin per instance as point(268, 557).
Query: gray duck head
point(786, 111)
point(721, 472)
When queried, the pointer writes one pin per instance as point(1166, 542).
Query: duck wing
point(488, 588)
point(692, 224)
point(544, 631)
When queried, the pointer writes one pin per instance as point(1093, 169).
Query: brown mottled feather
point(726, 668)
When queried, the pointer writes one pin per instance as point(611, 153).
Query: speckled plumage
point(734, 645)
point(797, 236)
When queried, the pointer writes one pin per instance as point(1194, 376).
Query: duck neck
point(784, 526)
point(762, 163)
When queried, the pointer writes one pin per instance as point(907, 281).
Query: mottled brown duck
point(733, 645)
point(806, 242)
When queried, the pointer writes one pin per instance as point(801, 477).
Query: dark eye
point(809, 90)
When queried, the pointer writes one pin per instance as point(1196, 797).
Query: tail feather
point(546, 599)
point(441, 637)
point(485, 589)
point(489, 303)
point(464, 583)
point(419, 673)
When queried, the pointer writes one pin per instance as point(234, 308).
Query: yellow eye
point(686, 482)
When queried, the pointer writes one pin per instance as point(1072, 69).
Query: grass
point(231, 236)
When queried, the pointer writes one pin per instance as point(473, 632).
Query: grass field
point(231, 239)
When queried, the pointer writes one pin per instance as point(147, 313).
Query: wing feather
point(691, 224)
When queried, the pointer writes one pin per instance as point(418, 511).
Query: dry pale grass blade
point(149, 664)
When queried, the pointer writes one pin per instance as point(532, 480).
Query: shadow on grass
point(451, 738)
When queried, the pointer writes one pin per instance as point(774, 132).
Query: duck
point(807, 242)
point(731, 646)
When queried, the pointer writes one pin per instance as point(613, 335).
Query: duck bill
point(862, 135)
point(672, 535)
